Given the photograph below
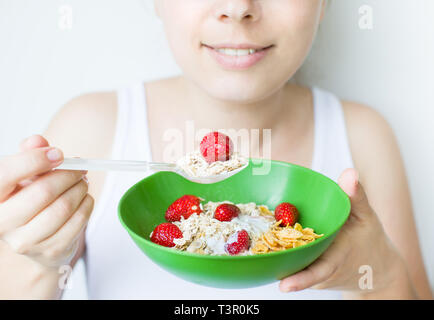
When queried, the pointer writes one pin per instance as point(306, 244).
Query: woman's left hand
point(361, 246)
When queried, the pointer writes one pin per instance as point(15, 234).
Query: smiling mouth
point(237, 57)
point(237, 51)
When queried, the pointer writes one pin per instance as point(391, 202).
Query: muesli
point(225, 228)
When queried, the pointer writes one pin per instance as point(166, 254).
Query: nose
point(237, 10)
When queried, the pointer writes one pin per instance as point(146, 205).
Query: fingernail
point(357, 177)
point(54, 155)
point(85, 179)
point(30, 140)
point(289, 289)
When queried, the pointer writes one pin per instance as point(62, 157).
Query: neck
point(261, 114)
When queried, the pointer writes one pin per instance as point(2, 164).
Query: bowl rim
point(237, 257)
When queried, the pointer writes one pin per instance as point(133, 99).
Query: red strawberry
point(216, 146)
point(226, 212)
point(183, 207)
point(237, 243)
point(286, 212)
point(164, 234)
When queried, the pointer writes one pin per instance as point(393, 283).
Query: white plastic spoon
point(120, 165)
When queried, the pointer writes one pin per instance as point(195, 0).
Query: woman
point(237, 57)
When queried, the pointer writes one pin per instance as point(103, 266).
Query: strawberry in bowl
point(165, 233)
point(238, 243)
point(226, 212)
point(287, 213)
point(183, 207)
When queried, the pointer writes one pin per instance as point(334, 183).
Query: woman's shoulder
point(85, 125)
point(371, 139)
point(365, 124)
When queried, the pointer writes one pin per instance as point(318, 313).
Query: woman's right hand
point(42, 211)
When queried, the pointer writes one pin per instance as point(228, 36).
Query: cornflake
point(281, 238)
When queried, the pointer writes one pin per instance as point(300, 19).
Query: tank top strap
point(332, 152)
point(131, 142)
point(132, 132)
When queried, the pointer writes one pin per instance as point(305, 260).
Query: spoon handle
point(113, 165)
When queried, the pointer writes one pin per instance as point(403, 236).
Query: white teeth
point(244, 52)
point(236, 52)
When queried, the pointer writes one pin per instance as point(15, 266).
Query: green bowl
point(322, 204)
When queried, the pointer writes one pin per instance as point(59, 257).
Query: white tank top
point(117, 269)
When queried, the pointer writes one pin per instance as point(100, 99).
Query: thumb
point(350, 184)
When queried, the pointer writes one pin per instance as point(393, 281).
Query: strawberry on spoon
point(216, 146)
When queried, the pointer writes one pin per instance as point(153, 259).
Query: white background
point(114, 43)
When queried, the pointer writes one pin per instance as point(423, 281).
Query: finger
point(350, 184)
point(50, 220)
point(69, 233)
point(319, 271)
point(34, 142)
point(348, 181)
point(16, 168)
point(24, 205)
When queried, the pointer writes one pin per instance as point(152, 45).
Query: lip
point(239, 62)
